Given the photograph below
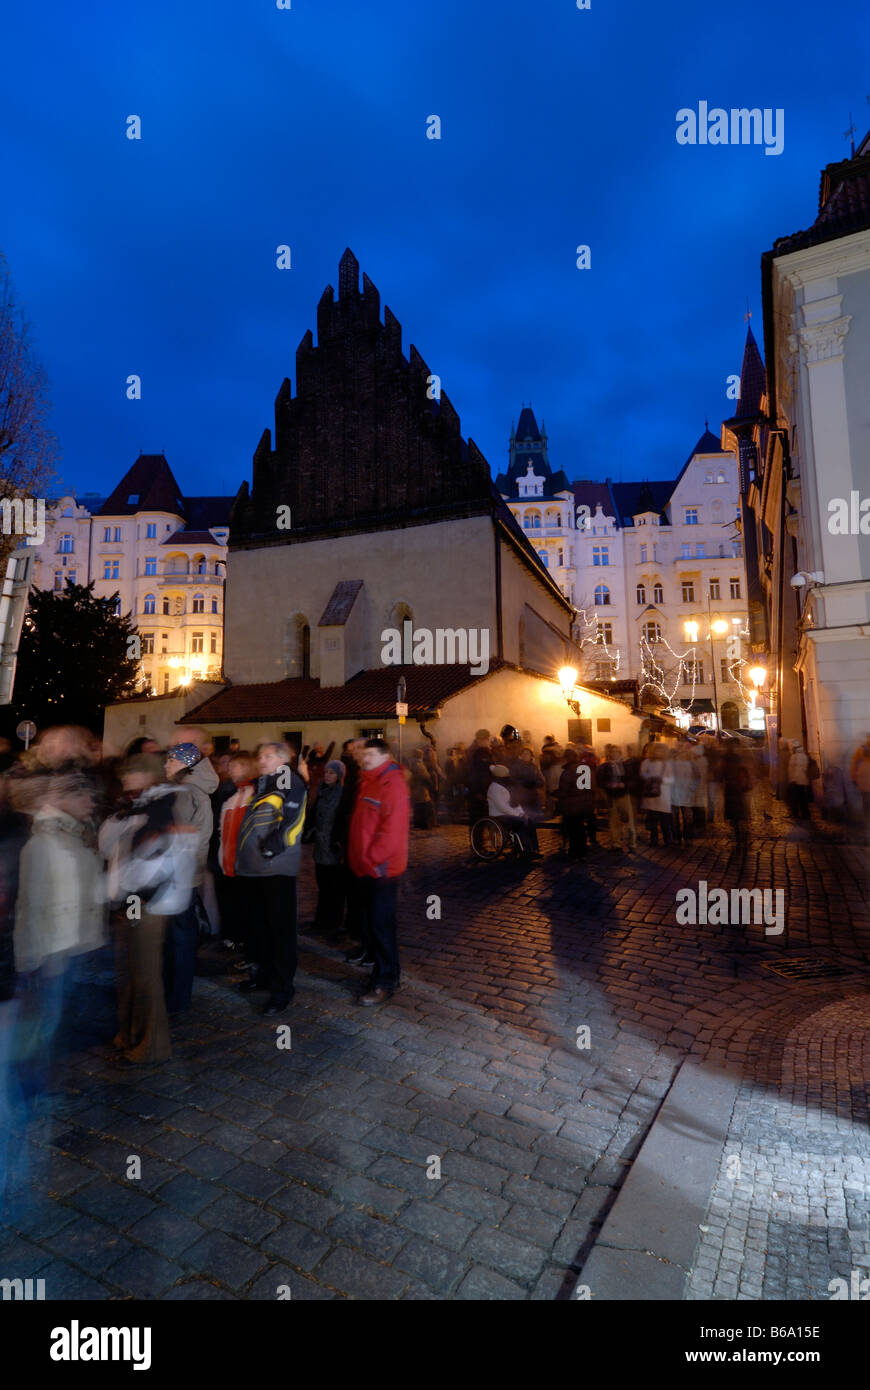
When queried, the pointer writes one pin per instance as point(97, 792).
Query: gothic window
point(297, 648)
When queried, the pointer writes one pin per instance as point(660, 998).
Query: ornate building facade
point(161, 554)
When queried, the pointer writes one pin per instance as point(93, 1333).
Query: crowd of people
point(671, 788)
point(156, 849)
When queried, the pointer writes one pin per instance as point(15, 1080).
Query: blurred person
point(714, 752)
point(799, 781)
point(59, 913)
point(683, 793)
point(354, 925)
point(612, 778)
point(13, 836)
point(502, 807)
point(190, 771)
point(477, 777)
point(737, 786)
point(232, 892)
point(657, 780)
point(152, 853)
point(575, 800)
point(699, 803)
point(326, 830)
point(859, 775)
point(378, 855)
point(527, 784)
point(268, 855)
point(554, 759)
point(423, 792)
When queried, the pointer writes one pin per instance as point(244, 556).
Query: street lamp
point(568, 682)
point(715, 629)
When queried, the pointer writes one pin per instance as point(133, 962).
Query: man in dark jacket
point(268, 852)
point(378, 856)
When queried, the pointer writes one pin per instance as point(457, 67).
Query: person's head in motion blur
point(375, 754)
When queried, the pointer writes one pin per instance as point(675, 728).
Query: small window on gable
point(133, 499)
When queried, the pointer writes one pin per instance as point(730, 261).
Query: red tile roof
point(370, 694)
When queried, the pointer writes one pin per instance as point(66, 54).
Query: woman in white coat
point(657, 779)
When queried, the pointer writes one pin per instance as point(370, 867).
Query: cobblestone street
point(312, 1167)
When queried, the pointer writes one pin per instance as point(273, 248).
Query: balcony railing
point(181, 578)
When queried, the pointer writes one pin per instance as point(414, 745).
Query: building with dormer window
point(163, 555)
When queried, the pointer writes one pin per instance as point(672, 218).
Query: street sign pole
point(401, 710)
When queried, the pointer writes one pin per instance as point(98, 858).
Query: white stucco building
point(163, 554)
point(812, 469)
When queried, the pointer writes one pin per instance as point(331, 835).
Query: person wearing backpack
point(268, 854)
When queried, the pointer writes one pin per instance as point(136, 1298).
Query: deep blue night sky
point(308, 126)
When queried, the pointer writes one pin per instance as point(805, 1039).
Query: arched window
point(150, 604)
point(297, 648)
point(199, 603)
point(641, 593)
point(199, 564)
point(602, 595)
point(553, 517)
point(658, 594)
point(400, 613)
point(532, 521)
point(544, 559)
point(214, 605)
point(68, 511)
point(65, 544)
point(166, 607)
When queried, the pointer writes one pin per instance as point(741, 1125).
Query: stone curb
point(647, 1244)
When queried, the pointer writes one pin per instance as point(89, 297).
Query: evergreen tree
point(74, 658)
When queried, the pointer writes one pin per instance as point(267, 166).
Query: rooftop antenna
point(748, 315)
point(849, 133)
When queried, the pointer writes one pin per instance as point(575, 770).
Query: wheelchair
point(489, 839)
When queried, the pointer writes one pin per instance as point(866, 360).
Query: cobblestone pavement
point(313, 1167)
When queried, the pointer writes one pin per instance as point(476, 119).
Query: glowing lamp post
point(568, 682)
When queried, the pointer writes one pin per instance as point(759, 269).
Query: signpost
point(26, 731)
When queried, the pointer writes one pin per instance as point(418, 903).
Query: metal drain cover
point(807, 968)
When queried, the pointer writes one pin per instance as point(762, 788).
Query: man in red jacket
point(377, 854)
